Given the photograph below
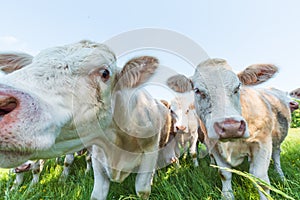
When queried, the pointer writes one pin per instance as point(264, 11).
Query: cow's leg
point(18, 181)
point(276, 159)
point(36, 171)
point(226, 176)
point(145, 175)
point(88, 159)
point(101, 181)
point(167, 155)
point(177, 145)
point(194, 148)
point(69, 159)
point(261, 155)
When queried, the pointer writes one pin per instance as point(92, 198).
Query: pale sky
point(242, 32)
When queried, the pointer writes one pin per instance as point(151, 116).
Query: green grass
point(171, 183)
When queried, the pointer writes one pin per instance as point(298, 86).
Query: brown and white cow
point(73, 96)
point(34, 166)
point(239, 120)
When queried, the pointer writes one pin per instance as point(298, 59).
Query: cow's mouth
point(7, 105)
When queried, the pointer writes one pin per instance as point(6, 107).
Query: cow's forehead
point(79, 55)
point(214, 77)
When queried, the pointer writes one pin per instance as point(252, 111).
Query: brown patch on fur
point(136, 71)
point(191, 106)
point(180, 83)
point(10, 62)
point(257, 73)
point(166, 103)
point(222, 176)
point(201, 135)
point(36, 171)
point(164, 137)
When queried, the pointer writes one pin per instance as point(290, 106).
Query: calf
point(239, 121)
point(187, 125)
point(73, 96)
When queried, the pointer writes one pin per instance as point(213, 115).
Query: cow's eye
point(237, 89)
point(101, 72)
point(200, 93)
point(104, 73)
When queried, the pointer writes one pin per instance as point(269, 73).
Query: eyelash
point(236, 90)
point(200, 93)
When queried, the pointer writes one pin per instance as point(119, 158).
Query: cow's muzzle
point(293, 105)
point(230, 128)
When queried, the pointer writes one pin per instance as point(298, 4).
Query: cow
point(19, 61)
point(169, 153)
point(74, 96)
point(239, 120)
point(34, 166)
point(282, 106)
point(187, 124)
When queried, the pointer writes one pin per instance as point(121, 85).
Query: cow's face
point(183, 106)
point(217, 100)
point(295, 93)
point(63, 88)
point(217, 95)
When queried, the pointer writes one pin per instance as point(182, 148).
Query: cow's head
point(294, 104)
point(295, 93)
point(183, 106)
point(58, 87)
point(217, 95)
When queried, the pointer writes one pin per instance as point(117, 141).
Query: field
point(171, 183)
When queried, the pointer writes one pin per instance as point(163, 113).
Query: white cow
point(240, 121)
point(187, 124)
point(17, 61)
point(74, 96)
point(36, 167)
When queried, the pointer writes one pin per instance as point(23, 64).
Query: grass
point(170, 183)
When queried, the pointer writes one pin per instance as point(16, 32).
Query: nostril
point(294, 105)
point(242, 126)
point(180, 128)
point(7, 104)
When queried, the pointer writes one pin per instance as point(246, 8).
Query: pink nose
point(180, 128)
point(293, 105)
point(7, 104)
point(230, 128)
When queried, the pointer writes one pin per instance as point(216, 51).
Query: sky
point(242, 32)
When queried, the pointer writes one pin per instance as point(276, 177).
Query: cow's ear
point(136, 71)
point(257, 73)
point(10, 62)
point(180, 83)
